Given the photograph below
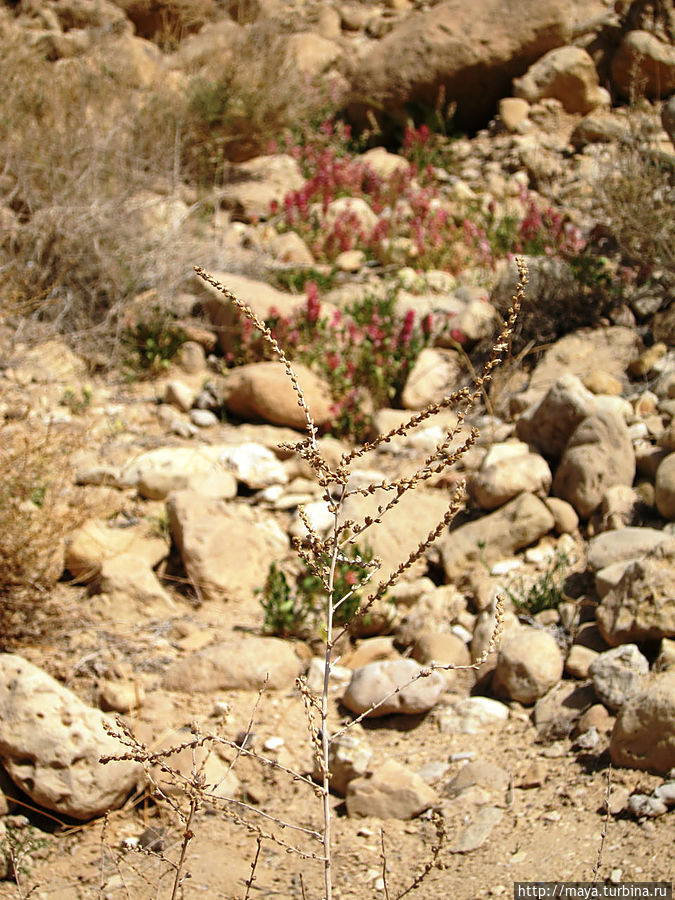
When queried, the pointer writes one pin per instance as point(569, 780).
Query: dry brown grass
point(39, 506)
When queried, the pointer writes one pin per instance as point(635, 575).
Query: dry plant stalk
point(324, 554)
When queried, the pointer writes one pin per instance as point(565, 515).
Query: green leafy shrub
point(546, 592)
point(293, 610)
point(152, 339)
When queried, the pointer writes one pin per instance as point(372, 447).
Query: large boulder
point(665, 487)
point(396, 685)
point(51, 744)
point(465, 53)
point(502, 477)
point(244, 664)
point(548, 425)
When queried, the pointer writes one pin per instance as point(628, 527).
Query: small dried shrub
point(39, 507)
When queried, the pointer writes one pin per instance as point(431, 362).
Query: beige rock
point(564, 515)
point(644, 733)
point(473, 715)
point(666, 658)
point(611, 350)
point(497, 483)
point(235, 665)
point(436, 372)
point(120, 696)
point(601, 382)
point(395, 685)
point(156, 473)
point(191, 357)
point(598, 455)
point(219, 779)
point(50, 361)
point(290, 249)
point(355, 210)
point(51, 744)
point(641, 606)
point(549, 424)
point(529, 664)
point(264, 391)
point(626, 544)
point(383, 163)
point(391, 792)
point(513, 112)
point(557, 711)
point(218, 543)
point(646, 362)
point(665, 487)
point(251, 187)
point(401, 530)
point(618, 674)
point(496, 536)
point(261, 297)
point(128, 577)
point(310, 54)
point(95, 541)
point(348, 758)
point(579, 660)
point(568, 74)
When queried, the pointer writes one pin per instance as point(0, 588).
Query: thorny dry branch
point(322, 556)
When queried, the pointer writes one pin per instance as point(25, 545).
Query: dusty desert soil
point(550, 831)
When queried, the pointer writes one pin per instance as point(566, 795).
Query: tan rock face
point(665, 487)
point(643, 58)
point(496, 484)
point(445, 45)
point(261, 297)
point(519, 523)
point(644, 733)
point(264, 391)
point(51, 744)
point(95, 541)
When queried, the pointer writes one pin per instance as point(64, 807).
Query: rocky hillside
point(361, 175)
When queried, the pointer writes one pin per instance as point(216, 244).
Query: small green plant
point(152, 340)
point(295, 279)
point(533, 597)
point(291, 611)
point(546, 592)
point(77, 401)
point(286, 612)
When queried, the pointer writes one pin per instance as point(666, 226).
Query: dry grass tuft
point(39, 506)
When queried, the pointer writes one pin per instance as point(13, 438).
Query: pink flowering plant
point(364, 351)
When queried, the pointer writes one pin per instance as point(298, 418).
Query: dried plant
point(323, 557)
